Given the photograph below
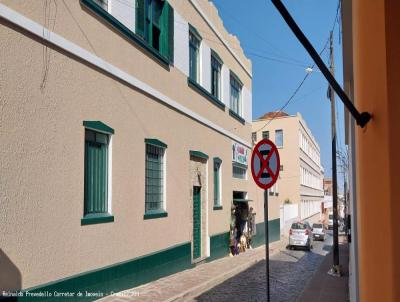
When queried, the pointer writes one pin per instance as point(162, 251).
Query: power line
point(276, 50)
point(252, 52)
point(306, 76)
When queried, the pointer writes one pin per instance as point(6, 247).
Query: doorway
point(196, 222)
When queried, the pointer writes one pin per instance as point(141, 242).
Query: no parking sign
point(265, 167)
point(265, 164)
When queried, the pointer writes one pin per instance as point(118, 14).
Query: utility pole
point(335, 269)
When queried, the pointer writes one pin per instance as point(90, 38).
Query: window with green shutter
point(217, 182)
point(194, 46)
point(236, 98)
point(96, 172)
point(216, 65)
point(155, 24)
point(154, 182)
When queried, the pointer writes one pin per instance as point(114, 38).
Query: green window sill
point(154, 215)
point(195, 86)
point(216, 208)
point(236, 116)
point(97, 218)
point(131, 36)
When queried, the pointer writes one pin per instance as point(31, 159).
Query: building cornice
point(92, 59)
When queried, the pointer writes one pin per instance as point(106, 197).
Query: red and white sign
point(265, 164)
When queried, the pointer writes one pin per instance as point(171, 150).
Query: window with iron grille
point(96, 172)
point(239, 171)
point(265, 134)
point(154, 199)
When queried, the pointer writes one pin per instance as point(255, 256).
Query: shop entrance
point(196, 222)
point(242, 223)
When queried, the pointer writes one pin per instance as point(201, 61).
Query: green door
point(196, 223)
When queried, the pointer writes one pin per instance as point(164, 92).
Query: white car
point(330, 221)
point(300, 235)
point(318, 231)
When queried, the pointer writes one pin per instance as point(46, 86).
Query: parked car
point(318, 231)
point(330, 221)
point(300, 235)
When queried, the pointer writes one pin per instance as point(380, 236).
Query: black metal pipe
point(361, 118)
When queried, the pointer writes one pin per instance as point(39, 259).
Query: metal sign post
point(265, 167)
point(266, 241)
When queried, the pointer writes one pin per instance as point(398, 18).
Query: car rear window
point(299, 226)
point(317, 225)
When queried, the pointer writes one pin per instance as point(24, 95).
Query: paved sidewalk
point(326, 288)
point(190, 283)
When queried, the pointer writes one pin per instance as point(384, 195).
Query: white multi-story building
point(301, 176)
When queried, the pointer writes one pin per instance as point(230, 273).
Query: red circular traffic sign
point(265, 164)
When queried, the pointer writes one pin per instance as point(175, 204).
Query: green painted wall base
point(116, 277)
point(273, 230)
point(219, 244)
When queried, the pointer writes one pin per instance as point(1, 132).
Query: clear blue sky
point(279, 61)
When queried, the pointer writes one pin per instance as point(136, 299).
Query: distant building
point(328, 186)
point(301, 173)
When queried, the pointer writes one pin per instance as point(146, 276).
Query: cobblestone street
point(290, 272)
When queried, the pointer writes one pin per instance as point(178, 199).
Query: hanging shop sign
point(240, 153)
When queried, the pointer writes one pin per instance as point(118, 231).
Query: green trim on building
point(195, 86)
point(195, 31)
point(274, 232)
point(97, 218)
point(153, 215)
point(122, 29)
point(155, 142)
point(236, 116)
point(219, 246)
point(217, 160)
point(119, 276)
point(198, 154)
point(216, 208)
point(99, 126)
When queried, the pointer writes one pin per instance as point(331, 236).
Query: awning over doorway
point(241, 200)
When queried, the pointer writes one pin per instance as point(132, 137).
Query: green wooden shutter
point(140, 17)
point(164, 30)
point(95, 178)
point(167, 32)
point(216, 183)
point(196, 222)
point(171, 33)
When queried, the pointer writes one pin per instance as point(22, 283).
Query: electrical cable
point(304, 79)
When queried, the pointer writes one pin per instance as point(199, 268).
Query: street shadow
point(288, 279)
point(10, 279)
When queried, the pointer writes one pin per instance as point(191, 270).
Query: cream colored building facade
point(112, 144)
point(299, 188)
